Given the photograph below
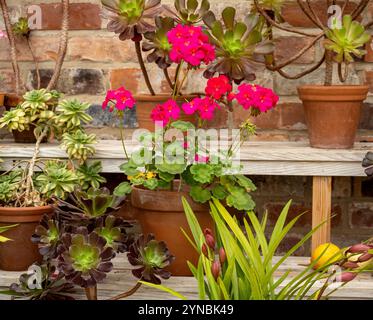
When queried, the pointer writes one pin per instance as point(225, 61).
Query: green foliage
point(21, 28)
point(72, 114)
point(15, 119)
point(89, 175)
point(9, 185)
point(79, 145)
point(238, 45)
point(245, 269)
point(57, 180)
point(347, 41)
point(191, 12)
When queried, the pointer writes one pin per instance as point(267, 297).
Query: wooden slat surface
point(121, 280)
point(257, 158)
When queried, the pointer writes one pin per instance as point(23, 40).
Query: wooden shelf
point(257, 158)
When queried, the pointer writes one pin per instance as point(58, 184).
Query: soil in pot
point(20, 253)
point(146, 103)
point(332, 114)
point(162, 213)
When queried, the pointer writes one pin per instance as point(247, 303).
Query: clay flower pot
point(2, 97)
point(162, 213)
point(145, 104)
point(20, 253)
point(332, 114)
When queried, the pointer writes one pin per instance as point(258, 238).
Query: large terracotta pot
point(332, 114)
point(20, 253)
point(2, 97)
point(145, 104)
point(162, 213)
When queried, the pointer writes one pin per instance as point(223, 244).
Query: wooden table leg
point(321, 209)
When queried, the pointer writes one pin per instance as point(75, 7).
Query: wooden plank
point(257, 158)
point(321, 209)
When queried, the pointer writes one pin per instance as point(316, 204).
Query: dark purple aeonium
point(152, 257)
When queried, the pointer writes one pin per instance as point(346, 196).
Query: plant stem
point(177, 74)
point(328, 68)
point(128, 293)
point(62, 46)
point(91, 293)
point(35, 62)
point(122, 136)
point(143, 68)
point(30, 172)
point(12, 42)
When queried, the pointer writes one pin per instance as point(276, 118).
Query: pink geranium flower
point(172, 109)
point(191, 107)
point(160, 115)
point(206, 108)
point(120, 99)
point(218, 87)
point(201, 159)
point(190, 44)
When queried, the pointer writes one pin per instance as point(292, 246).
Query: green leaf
point(182, 125)
point(129, 169)
point(199, 194)
point(228, 15)
point(203, 173)
point(219, 192)
point(123, 189)
point(165, 289)
point(171, 168)
point(151, 184)
point(245, 183)
point(240, 199)
point(168, 177)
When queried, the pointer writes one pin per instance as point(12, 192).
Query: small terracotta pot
point(2, 98)
point(145, 104)
point(332, 114)
point(20, 253)
point(26, 136)
point(162, 213)
point(11, 101)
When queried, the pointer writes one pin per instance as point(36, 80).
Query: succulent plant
point(240, 48)
point(129, 18)
point(47, 236)
point(15, 119)
point(151, 257)
point(21, 27)
point(90, 204)
point(272, 5)
point(43, 284)
point(189, 12)
point(36, 100)
point(9, 185)
point(89, 175)
point(72, 114)
point(158, 43)
point(56, 180)
point(84, 258)
point(113, 230)
point(368, 164)
point(79, 145)
point(347, 41)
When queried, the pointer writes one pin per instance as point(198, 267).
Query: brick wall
point(96, 60)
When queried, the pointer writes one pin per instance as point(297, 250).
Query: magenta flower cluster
point(119, 99)
point(191, 45)
point(257, 97)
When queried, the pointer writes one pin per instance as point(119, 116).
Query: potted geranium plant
point(26, 193)
point(157, 182)
point(239, 46)
point(332, 111)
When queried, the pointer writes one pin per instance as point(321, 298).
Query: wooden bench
point(257, 158)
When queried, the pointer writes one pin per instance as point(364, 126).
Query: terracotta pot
point(332, 114)
point(146, 103)
point(20, 253)
point(2, 98)
point(26, 136)
point(162, 213)
point(11, 101)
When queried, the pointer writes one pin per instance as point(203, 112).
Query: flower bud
point(222, 256)
point(208, 231)
point(359, 248)
point(347, 276)
point(365, 257)
point(205, 251)
point(350, 265)
point(210, 241)
point(215, 269)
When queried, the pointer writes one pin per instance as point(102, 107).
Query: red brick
point(101, 49)
point(292, 116)
point(269, 120)
point(361, 215)
point(369, 80)
point(289, 242)
point(83, 16)
point(287, 47)
point(129, 78)
point(293, 14)
point(7, 80)
point(369, 48)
